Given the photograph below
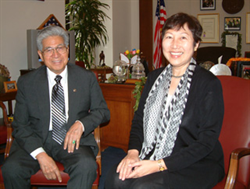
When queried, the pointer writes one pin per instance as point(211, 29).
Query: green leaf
point(137, 91)
point(87, 20)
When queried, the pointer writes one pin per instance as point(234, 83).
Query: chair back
point(213, 53)
point(235, 131)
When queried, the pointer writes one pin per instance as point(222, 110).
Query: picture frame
point(245, 71)
point(207, 4)
point(232, 23)
point(211, 27)
point(247, 27)
point(242, 67)
point(233, 40)
point(10, 86)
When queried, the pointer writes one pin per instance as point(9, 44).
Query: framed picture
point(10, 86)
point(207, 4)
point(243, 69)
point(232, 23)
point(210, 24)
point(248, 27)
point(233, 40)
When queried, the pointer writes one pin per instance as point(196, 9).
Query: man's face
point(54, 54)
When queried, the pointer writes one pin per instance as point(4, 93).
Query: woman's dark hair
point(178, 21)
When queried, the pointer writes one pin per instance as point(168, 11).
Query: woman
point(174, 135)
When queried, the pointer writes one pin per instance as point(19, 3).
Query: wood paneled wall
point(146, 30)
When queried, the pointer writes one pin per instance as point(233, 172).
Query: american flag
point(51, 21)
point(160, 16)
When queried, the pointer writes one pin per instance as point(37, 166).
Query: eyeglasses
point(50, 51)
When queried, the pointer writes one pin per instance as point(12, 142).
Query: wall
point(193, 7)
point(16, 16)
point(122, 27)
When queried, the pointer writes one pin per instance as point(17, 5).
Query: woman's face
point(178, 46)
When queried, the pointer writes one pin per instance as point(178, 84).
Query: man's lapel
point(73, 94)
point(42, 93)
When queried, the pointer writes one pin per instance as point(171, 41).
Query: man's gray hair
point(51, 31)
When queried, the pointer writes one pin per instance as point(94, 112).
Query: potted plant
point(86, 18)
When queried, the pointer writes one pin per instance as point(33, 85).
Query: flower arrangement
point(130, 54)
point(4, 72)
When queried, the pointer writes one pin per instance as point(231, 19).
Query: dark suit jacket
point(32, 110)
point(197, 146)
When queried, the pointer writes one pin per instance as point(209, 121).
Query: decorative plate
point(232, 6)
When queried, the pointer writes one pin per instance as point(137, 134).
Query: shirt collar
point(51, 75)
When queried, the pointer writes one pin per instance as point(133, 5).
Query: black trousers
point(193, 177)
point(80, 165)
point(154, 181)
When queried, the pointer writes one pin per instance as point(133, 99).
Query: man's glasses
point(50, 51)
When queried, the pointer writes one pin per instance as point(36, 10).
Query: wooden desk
point(120, 101)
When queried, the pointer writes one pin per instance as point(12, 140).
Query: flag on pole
point(160, 18)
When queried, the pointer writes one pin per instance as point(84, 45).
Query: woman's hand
point(124, 168)
point(143, 168)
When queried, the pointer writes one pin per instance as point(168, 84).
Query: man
point(54, 120)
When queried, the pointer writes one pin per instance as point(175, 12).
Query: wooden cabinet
point(101, 73)
point(120, 101)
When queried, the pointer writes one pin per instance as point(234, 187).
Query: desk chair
point(39, 179)
point(235, 133)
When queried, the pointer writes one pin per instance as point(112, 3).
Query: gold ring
point(74, 141)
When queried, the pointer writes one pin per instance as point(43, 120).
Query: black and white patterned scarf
point(161, 122)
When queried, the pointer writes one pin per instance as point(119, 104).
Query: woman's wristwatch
point(161, 167)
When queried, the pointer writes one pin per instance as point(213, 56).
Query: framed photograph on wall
point(207, 4)
point(211, 30)
point(232, 23)
point(248, 28)
point(233, 40)
point(9, 86)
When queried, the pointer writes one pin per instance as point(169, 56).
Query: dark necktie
point(58, 112)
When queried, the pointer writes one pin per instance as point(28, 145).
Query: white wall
point(193, 7)
point(123, 29)
point(16, 16)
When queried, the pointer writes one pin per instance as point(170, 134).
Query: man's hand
point(74, 134)
point(48, 167)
